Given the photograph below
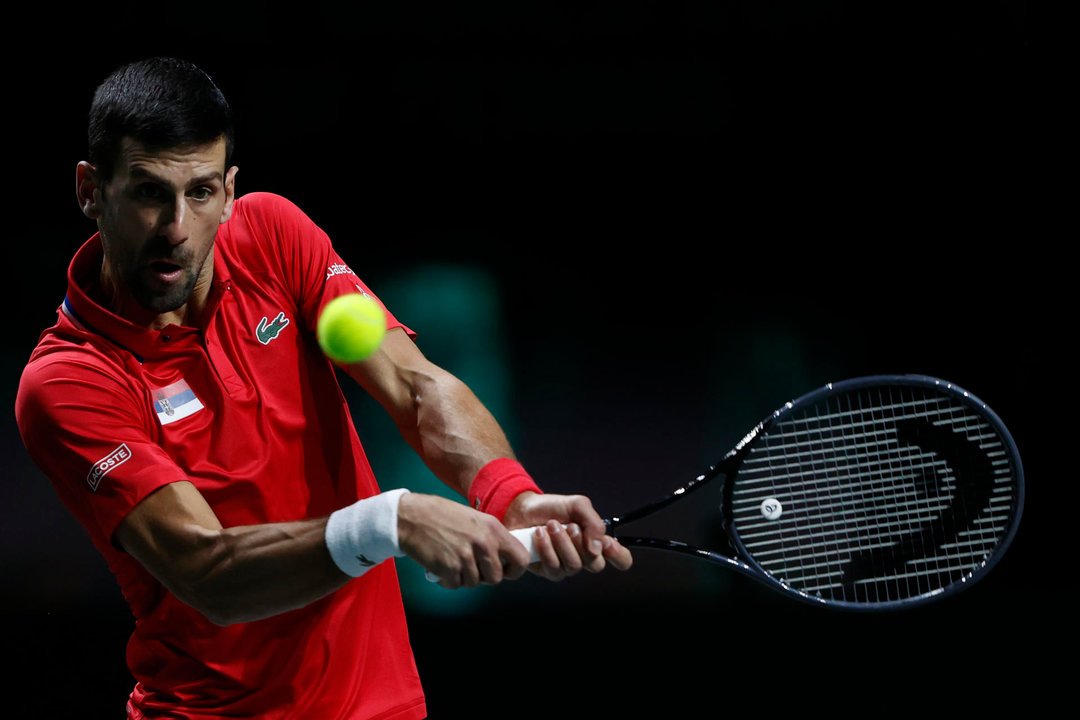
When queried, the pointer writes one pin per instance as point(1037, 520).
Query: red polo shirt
point(246, 407)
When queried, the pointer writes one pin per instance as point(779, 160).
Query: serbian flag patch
point(175, 402)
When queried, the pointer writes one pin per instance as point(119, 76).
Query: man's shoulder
point(71, 366)
point(65, 350)
point(267, 233)
point(263, 219)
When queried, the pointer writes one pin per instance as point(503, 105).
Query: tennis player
point(186, 417)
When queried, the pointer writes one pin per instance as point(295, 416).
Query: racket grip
point(523, 535)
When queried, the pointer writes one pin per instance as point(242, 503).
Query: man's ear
point(230, 193)
point(87, 190)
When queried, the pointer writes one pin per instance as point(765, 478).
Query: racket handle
point(523, 535)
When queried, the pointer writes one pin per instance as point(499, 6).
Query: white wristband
point(364, 534)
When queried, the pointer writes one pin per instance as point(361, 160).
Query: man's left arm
point(458, 439)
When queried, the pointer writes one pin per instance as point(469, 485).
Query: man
point(182, 410)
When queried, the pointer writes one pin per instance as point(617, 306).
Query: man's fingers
point(514, 558)
point(616, 554)
point(566, 541)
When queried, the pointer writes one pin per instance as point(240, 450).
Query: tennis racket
point(873, 494)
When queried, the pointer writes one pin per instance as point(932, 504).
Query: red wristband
point(497, 484)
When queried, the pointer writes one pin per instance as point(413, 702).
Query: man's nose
point(174, 221)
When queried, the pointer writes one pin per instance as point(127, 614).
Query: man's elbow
point(219, 611)
point(220, 607)
point(209, 601)
point(203, 585)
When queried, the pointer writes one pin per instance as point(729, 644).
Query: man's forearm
point(436, 413)
point(454, 433)
point(252, 572)
point(232, 574)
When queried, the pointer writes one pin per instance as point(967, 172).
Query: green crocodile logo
point(267, 331)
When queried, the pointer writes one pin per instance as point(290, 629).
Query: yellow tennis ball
point(351, 328)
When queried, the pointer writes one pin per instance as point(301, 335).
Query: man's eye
point(202, 193)
point(149, 192)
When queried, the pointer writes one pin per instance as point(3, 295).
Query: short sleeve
point(90, 434)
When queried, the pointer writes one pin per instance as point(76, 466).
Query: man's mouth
point(166, 271)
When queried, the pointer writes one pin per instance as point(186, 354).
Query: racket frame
point(742, 561)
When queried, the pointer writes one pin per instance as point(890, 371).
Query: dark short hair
point(160, 102)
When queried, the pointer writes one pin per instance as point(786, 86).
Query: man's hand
point(461, 546)
point(456, 436)
point(573, 537)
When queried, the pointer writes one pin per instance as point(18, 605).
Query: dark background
point(635, 229)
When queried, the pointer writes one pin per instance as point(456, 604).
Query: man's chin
point(166, 299)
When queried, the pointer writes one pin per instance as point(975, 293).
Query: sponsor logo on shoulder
point(106, 465)
point(338, 269)
point(267, 331)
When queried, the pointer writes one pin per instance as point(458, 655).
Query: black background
point(686, 213)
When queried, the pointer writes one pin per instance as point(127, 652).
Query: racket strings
point(887, 493)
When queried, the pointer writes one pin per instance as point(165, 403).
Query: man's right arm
point(75, 415)
point(250, 572)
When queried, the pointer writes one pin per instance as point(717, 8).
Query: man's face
point(158, 217)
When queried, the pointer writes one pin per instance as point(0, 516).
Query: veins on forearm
point(453, 432)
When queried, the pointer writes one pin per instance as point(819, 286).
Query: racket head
point(875, 493)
